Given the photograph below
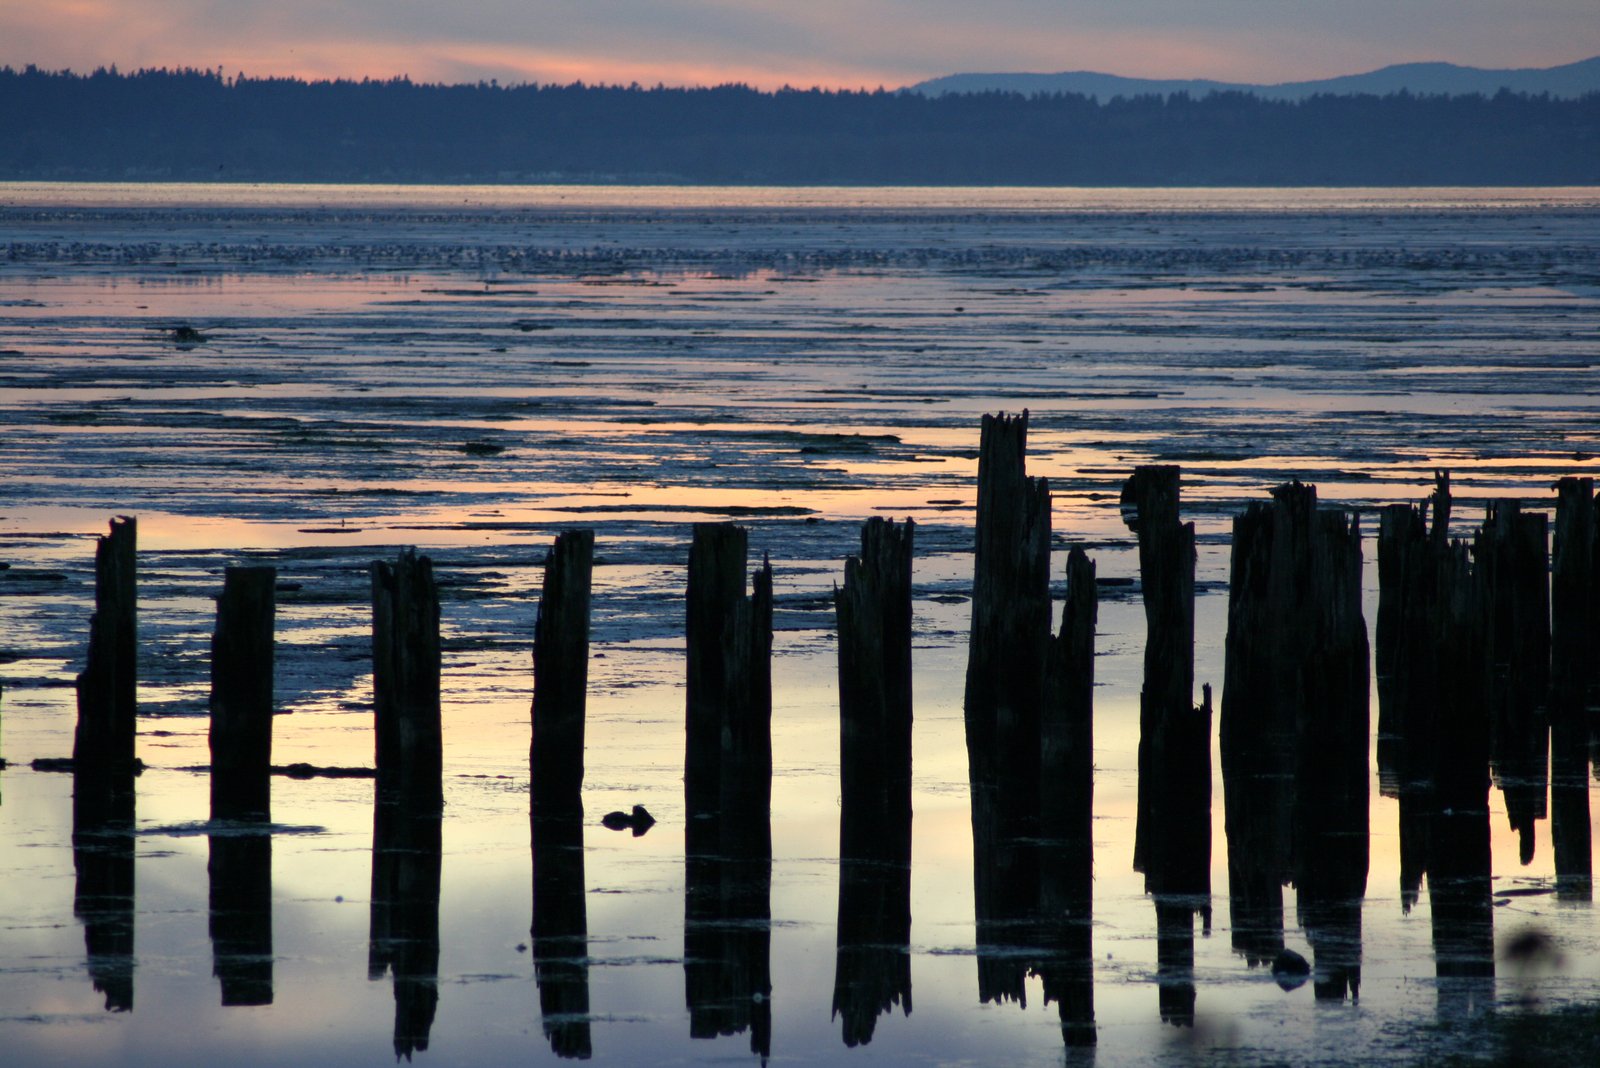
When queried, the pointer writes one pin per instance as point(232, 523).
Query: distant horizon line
point(219, 72)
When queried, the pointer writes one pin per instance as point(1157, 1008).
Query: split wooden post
point(241, 695)
point(405, 681)
point(107, 688)
point(561, 675)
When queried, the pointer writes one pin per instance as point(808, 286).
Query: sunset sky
point(769, 43)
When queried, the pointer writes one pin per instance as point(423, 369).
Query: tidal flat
point(471, 371)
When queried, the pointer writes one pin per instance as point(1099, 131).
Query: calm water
point(643, 358)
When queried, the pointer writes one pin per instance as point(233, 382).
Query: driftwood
point(241, 695)
point(405, 681)
point(561, 675)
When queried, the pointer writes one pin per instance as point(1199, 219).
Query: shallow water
point(470, 371)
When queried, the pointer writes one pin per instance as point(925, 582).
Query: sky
point(769, 43)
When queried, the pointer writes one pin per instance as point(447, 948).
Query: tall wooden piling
point(873, 963)
point(874, 620)
point(1172, 840)
point(241, 695)
point(1511, 554)
point(1010, 637)
point(405, 680)
point(561, 675)
point(727, 790)
point(1575, 678)
point(107, 687)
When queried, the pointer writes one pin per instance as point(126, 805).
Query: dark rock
point(1290, 969)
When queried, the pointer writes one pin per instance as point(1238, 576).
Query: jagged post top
point(1150, 495)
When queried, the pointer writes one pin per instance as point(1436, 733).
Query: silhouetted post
point(240, 874)
point(873, 964)
point(1511, 554)
point(1459, 887)
point(1332, 791)
point(1066, 817)
point(1007, 655)
point(1010, 635)
point(107, 688)
point(727, 790)
point(1172, 842)
point(561, 675)
point(1411, 555)
point(241, 695)
point(874, 619)
point(405, 680)
point(1258, 723)
point(1575, 679)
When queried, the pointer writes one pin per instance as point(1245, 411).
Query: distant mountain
point(1568, 81)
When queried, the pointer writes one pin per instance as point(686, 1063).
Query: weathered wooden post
point(1172, 842)
point(1008, 650)
point(1458, 861)
point(1066, 812)
point(1410, 556)
point(1575, 679)
point(561, 675)
point(727, 790)
point(1010, 635)
point(1511, 555)
point(241, 695)
point(107, 688)
point(874, 619)
point(405, 681)
point(873, 963)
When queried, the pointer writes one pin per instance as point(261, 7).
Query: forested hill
point(196, 125)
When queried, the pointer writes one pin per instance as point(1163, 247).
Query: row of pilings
point(1488, 659)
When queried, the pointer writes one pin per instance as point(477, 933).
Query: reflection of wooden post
point(405, 680)
point(241, 695)
point(561, 675)
point(1575, 678)
point(107, 688)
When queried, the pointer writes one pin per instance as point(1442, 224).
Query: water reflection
point(240, 871)
point(561, 933)
point(102, 856)
point(404, 933)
